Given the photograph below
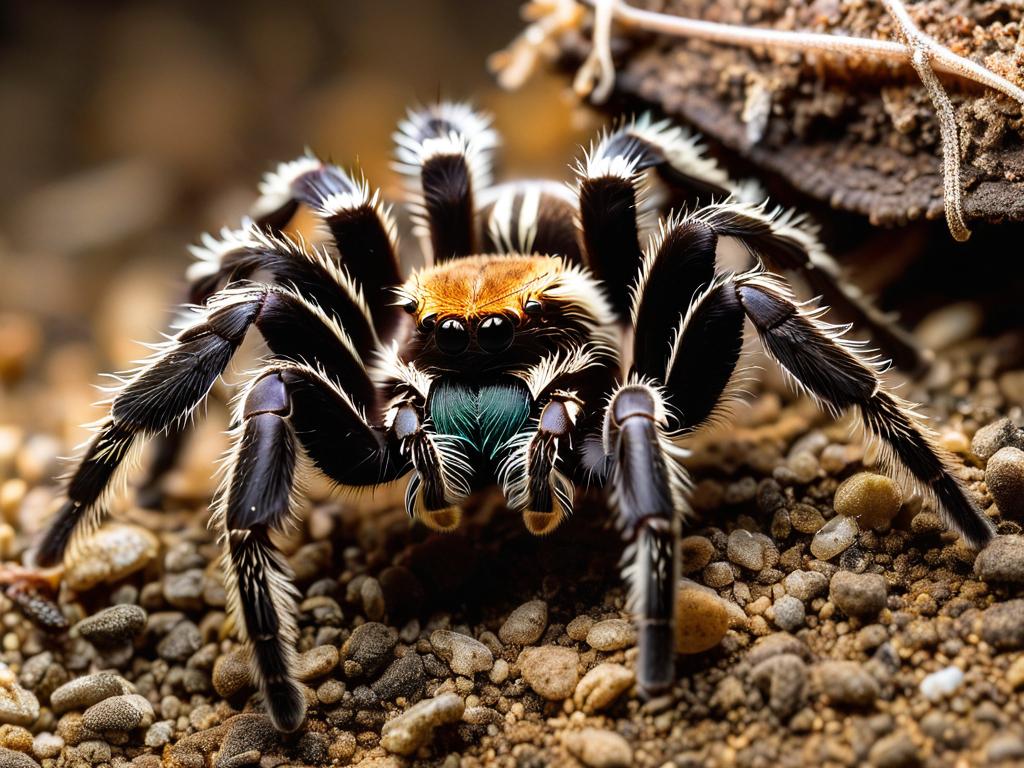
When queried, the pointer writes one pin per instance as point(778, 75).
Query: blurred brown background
point(127, 128)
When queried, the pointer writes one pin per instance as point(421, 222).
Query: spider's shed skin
point(556, 337)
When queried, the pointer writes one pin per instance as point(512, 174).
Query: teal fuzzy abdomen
point(484, 415)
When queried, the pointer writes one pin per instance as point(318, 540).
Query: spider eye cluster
point(453, 336)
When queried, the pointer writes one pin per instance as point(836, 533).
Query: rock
point(42, 674)
point(789, 613)
point(1002, 625)
point(112, 626)
point(695, 552)
point(612, 635)
point(404, 677)
point(847, 683)
point(837, 535)
point(82, 692)
point(499, 672)
point(1005, 749)
point(860, 595)
point(1004, 476)
point(246, 737)
point(578, 628)
point(371, 595)
point(9, 758)
point(182, 641)
point(872, 499)
point(747, 550)
point(119, 713)
point(316, 662)
point(1002, 560)
point(46, 745)
point(992, 437)
point(368, 649)
point(598, 748)
point(465, 655)
point(777, 644)
point(718, 575)
point(601, 686)
point(939, 685)
point(894, 751)
point(231, 673)
point(159, 733)
point(806, 585)
point(526, 624)
point(784, 678)
point(412, 729)
point(111, 553)
point(806, 518)
point(17, 705)
point(702, 619)
point(184, 590)
point(551, 671)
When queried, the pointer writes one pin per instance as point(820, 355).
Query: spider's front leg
point(292, 415)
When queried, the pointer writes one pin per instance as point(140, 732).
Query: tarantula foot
point(442, 520)
point(541, 523)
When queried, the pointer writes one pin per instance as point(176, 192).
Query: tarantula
point(541, 348)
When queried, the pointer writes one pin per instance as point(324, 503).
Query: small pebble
point(1002, 560)
point(414, 728)
point(550, 670)
point(578, 628)
point(718, 575)
point(46, 745)
point(119, 713)
point(992, 437)
point(601, 686)
point(872, 499)
point(896, 750)
point(10, 758)
point(316, 662)
point(939, 685)
point(702, 619)
point(611, 635)
point(598, 748)
point(109, 554)
point(231, 673)
point(860, 595)
point(789, 613)
point(1004, 476)
point(403, 677)
point(847, 683)
point(745, 549)
point(806, 585)
point(112, 626)
point(695, 552)
point(465, 655)
point(184, 590)
point(82, 692)
point(1002, 625)
point(18, 706)
point(526, 624)
point(159, 733)
point(372, 596)
point(806, 518)
point(182, 641)
point(784, 678)
point(368, 649)
point(836, 536)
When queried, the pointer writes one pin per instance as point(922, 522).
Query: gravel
point(465, 655)
point(872, 499)
point(368, 649)
point(112, 626)
point(834, 538)
point(602, 685)
point(414, 728)
point(551, 671)
point(847, 683)
point(1004, 476)
point(612, 635)
point(119, 713)
point(859, 595)
point(1002, 560)
point(1002, 625)
point(82, 692)
point(599, 748)
point(526, 624)
point(403, 677)
point(702, 619)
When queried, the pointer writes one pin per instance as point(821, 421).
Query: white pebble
point(938, 685)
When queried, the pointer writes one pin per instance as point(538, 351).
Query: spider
point(541, 349)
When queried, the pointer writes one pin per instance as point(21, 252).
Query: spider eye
point(428, 322)
point(452, 336)
point(532, 307)
point(495, 333)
